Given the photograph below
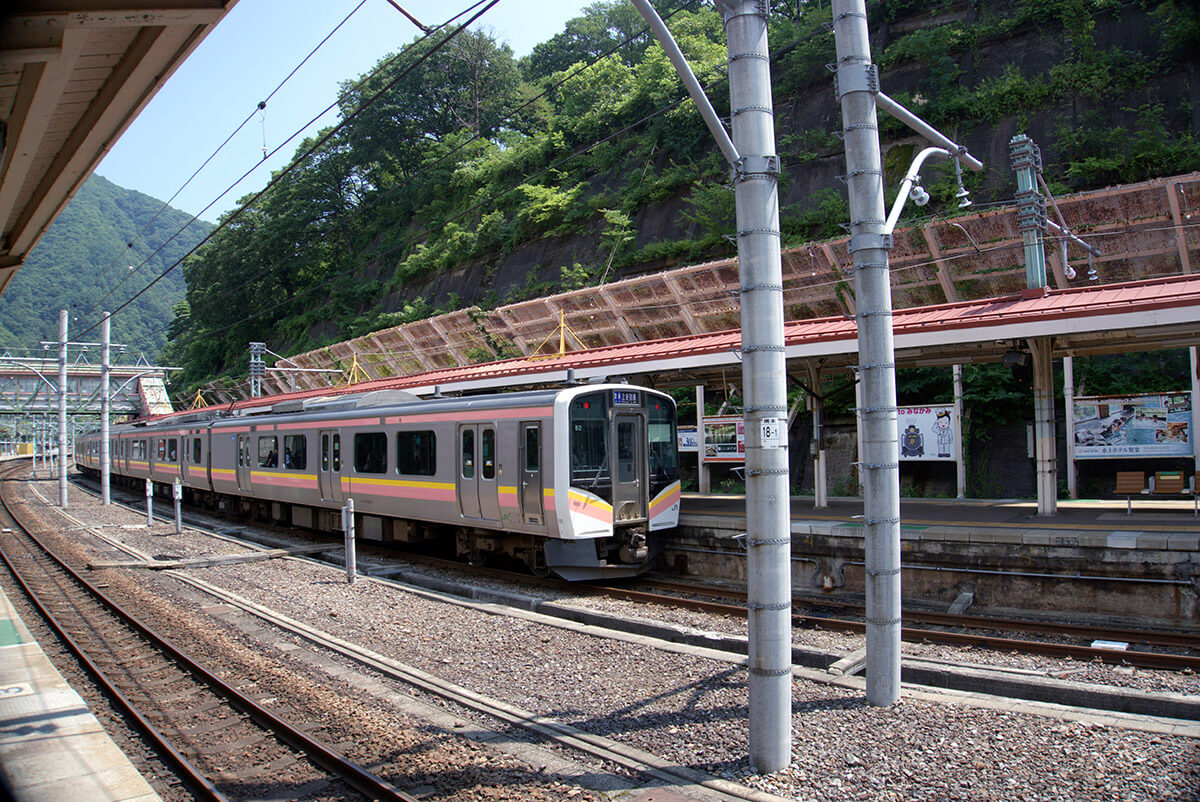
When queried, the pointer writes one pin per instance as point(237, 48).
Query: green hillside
point(467, 176)
point(84, 257)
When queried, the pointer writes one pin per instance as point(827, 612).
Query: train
point(579, 481)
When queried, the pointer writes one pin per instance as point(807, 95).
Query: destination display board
point(1158, 425)
point(928, 434)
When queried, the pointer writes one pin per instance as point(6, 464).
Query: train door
point(629, 486)
point(184, 454)
point(243, 462)
point(478, 490)
point(531, 473)
point(329, 470)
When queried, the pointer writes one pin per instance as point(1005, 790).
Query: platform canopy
point(73, 75)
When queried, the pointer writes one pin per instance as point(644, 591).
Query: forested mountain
point(83, 264)
point(467, 176)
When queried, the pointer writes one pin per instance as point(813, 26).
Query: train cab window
point(268, 452)
point(487, 453)
point(468, 453)
point(664, 452)
point(196, 451)
point(588, 422)
point(295, 451)
point(370, 452)
point(173, 449)
point(416, 453)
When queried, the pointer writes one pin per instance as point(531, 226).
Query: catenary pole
point(857, 83)
point(764, 377)
point(768, 533)
point(105, 378)
point(62, 408)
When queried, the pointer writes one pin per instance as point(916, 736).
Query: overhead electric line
point(261, 105)
point(321, 141)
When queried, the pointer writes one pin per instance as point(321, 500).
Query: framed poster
point(928, 434)
point(725, 439)
point(1158, 425)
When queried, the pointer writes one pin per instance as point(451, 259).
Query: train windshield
point(589, 445)
point(664, 450)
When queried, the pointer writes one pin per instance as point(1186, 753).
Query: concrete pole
point(1195, 412)
point(62, 408)
point(702, 473)
point(1043, 426)
point(149, 503)
point(1069, 409)
point(764, 377)
point(820, 477)
point(857, 80)
point(105, 408)
point(960, 461)
point(348, 533)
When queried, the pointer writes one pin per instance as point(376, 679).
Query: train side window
point(295, 451)
point(324, 452)
point(162, 449)
point(173, 449)
point(268, 452)
point(533, 449)
point(487, 453)
point(416, 453)
point(370, 452)
point(468, 453)
point(196, 451)
point(337, 453)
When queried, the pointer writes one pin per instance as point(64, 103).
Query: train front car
point(616, 478)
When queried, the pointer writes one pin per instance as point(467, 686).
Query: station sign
point(1110, 427)
point(689, 440)
point(928, 434)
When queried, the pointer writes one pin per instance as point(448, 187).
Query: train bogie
point(575, 480)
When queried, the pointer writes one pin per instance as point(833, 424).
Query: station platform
point(1152, 524)
point(51, 746)
point(1092, 558)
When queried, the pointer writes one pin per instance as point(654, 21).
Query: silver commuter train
point(575, 481)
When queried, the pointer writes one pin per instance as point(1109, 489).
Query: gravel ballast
point(691, 710)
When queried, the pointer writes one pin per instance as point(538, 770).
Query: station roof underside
point(73, 75)
point(1135, 316)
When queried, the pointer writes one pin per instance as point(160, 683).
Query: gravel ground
point(693, 711)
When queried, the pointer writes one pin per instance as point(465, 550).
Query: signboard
point(928, 434)
point(725, 439)
point(1133, 426)
point(689, 443)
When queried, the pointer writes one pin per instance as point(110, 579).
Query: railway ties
point(217, 739)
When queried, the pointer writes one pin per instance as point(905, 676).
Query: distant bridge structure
point(29, 386)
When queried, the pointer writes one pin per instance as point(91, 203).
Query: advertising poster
point(928, 434)
point(689, 443)
point(1133, 426)
point(725, 439)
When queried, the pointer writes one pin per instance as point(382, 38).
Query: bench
point(1163, 485)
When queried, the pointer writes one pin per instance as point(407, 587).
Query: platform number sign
point(772, 432)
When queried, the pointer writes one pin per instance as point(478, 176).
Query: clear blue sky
point(246, 56)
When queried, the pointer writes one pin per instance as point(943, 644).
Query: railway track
point(919, 626)
point(219, 741)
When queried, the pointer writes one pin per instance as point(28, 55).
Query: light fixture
point(1016, 358)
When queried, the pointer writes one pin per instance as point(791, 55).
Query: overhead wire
point(480, 203)
point(258, 109)
point(488, 4)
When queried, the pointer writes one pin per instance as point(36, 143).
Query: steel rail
point(182, 766)
point(322, 755)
